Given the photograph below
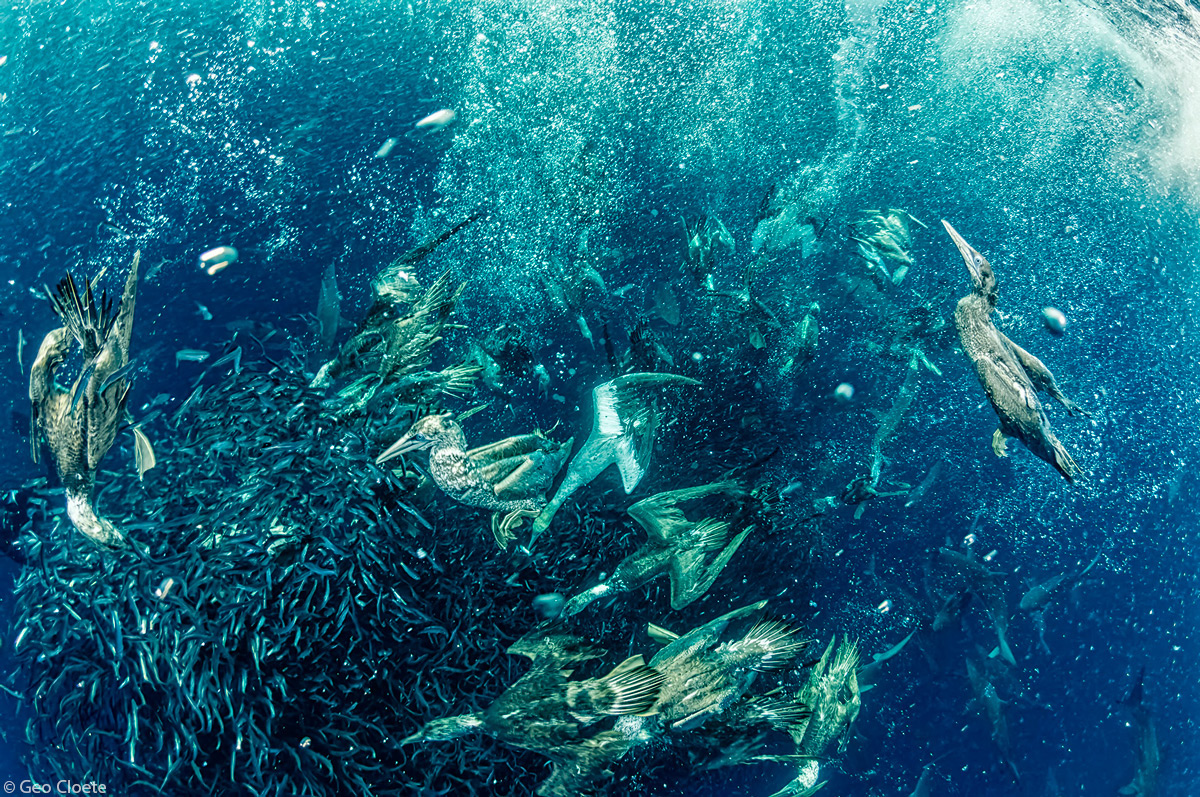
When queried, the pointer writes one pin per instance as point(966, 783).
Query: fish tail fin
point(1002, 649)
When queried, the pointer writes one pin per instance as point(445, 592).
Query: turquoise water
point(1060, 139)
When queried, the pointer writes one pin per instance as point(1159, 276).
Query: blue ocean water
point(1059, 138)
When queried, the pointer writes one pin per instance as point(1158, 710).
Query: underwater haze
point(317, 499)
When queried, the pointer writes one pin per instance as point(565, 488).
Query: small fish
point(988, 702)
point(121, 373)
point(203, 312)
point(951, 610)
point(543, 380)
point(143, 452)
point(80, 388)
point(191, 356)
point(869, 672)
point(153, 272)
point(164, 588)
point(1040, 595)
point(234, 357)
point(157, 401)
point(585, 330)
point(1146, 747)
point(893, 650)
point(923, 787)
point(329, 309)
point(217, 259)
point(983, 582)
point(438, 120)
point(385, 149)
point(922, 488)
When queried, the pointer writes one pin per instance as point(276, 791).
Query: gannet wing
point(625, 420)
point(1038, 374)
point(41, 383)
point(635, 447)
point(661, 516)
point(105, 397)
point(607, 410)
point(661, 521)
point(704, 635)
point(123, 325)
point(690, 577)
point(624, 414)
point(623, 425)
point(518, 445)
point(1010, 391)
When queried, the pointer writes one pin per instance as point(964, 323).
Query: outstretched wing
point(626, 414)
point(107, 387)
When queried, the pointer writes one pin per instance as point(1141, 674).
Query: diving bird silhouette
point(1011, 376)
point(79, 424)
point(624, 422)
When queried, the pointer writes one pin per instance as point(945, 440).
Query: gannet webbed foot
point(1074, 409)
point(504, 525)
point(999, 443)
point(859, 490)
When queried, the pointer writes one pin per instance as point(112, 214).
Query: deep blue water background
point(1060, 151)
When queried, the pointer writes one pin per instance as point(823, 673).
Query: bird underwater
point(718, 694)
point(509, 476)
point(333, 512)
point(79, 425)
point(1011, 376)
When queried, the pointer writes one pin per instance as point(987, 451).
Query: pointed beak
point(966, 251)
point(405, 445)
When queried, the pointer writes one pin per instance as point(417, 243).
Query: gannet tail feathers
point(776, 643)
point(623, 415)
point(687, 587)
point(623, 426)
